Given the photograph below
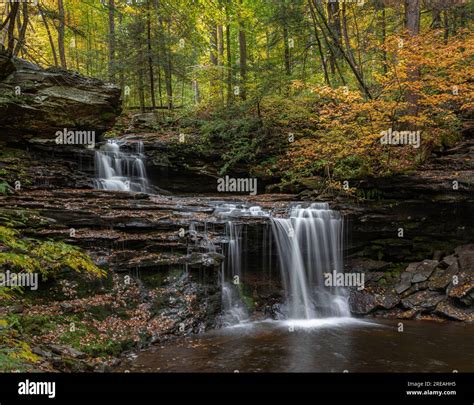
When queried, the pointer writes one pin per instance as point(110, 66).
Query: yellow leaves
point(45, 257)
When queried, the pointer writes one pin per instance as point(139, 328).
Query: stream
point(321, 345)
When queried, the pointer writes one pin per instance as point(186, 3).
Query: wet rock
point(424, 270)
point(448, 310)
point(463, 290)
point(405, 282)
point(67, 351)
point(415, 273)
point(415, 288)
point(368, 300)
point(441, 278)
point(423, 299)
point(42, 353)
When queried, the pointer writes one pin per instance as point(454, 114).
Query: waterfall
point(309, 244)
point(234, 309)
point(120, 170)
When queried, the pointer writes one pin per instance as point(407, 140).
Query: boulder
point(368, 300)
point(37, 102)
point(423, 299)
point(424, 271)
point(405, 282)
point(463, 290)
point(450, 311)
point(440, 278)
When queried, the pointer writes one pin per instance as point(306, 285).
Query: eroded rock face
point(438, 289)
point(36, 102)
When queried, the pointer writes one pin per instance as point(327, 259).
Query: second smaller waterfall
point(121, 170)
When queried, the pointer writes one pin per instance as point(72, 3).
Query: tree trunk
point(384, 38)
point(446, 26)
point(287, 50)
point(242, 57)
point(220, 46)
point(213, 44)
point(412, 16)
point(353, 67)
point(412, 20)
point(50, 37)
point(11, 27)
point(229, 65)
point(62, 54)
point(111, 40)
point(150, 56)
point(22, 30)
point(318, 41)
point(168, 69)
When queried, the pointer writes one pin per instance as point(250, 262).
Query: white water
point(234, 309)
point(309, 244)
point(119, 170)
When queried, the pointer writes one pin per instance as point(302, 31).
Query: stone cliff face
point(36, 102)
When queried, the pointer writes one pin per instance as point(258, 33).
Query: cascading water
point(309, 244)
point(119, 170)
point(234, 309)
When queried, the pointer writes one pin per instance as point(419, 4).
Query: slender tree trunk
point(384, 38)
point(353, 67)
point(318, 41)
point(213, 56)
point(22, 30)
point(220, 39)
point(61, 25)
point(229, 65)
point(213, 44)
point(120, 68)
point(350, 52)
point(446, 26)
point(50, 37)
point(242, 57)
point(141, 89)
point(412, 18)
point(11, 27)
point(112, 67)
point(150, 56)
point(168, 69)
point(334, 22)
point(287, 50)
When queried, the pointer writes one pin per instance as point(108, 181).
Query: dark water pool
point(327, 345)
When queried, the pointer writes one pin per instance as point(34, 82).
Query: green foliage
point(45, 257)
